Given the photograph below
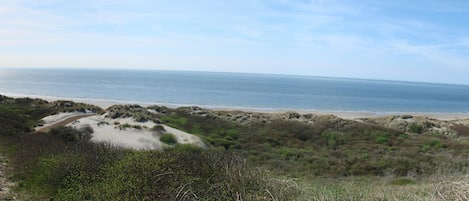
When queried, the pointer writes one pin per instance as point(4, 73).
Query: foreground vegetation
point(86, 171)
point(64, 165)
point(276, 160)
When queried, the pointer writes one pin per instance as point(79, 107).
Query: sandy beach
point(100, 103)
point(342, 114)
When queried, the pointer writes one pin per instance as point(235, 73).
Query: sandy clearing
point(105, 131)
point(63, 122)
point(61, 118)
point(108, 131)
point(131, 121)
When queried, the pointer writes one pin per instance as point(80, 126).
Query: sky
point(419, 40)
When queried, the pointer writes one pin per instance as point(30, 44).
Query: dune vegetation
point(325, 158)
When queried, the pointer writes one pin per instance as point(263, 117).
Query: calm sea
point(237, 90)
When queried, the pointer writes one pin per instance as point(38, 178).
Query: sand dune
point(61, 118)
point(137, 136)
point(125, 132)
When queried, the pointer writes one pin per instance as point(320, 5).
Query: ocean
point(236, 90)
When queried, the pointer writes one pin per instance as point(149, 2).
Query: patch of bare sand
point(61, 118)
point(126, 132)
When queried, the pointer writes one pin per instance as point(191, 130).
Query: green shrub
point(174, 120)
point(381, 139)
point(415, 128)
point(168, 138)
point(435, 144)
point(232, 133)
point(331, 138)
point(404, 136)
point(425, 148)
point(431, 144)
point(69, 134)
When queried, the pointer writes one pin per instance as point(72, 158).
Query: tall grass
point(58, 168)
point(434, 188)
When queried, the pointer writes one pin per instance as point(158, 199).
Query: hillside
point(282, 156)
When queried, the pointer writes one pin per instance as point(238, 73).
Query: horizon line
point(234, 72)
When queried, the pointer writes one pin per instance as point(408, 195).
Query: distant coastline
point(238, 91)
point(341, 114)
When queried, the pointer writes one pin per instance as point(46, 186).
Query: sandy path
point(63, 122)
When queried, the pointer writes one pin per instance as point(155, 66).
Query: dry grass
point(462, 130)
point(454, 189)
point(435, 188)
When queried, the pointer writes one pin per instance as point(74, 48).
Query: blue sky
point(420, 40)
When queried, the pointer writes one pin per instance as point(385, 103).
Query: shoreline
point(342, 114)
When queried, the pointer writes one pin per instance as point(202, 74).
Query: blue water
point(237, 90)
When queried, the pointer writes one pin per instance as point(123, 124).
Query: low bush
point(168, 138)
point(431, 144)
point(415, 128)
point(69, 134)
point(174, 120)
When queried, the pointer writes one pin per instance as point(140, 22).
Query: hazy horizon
point(230, 72)
point(418, 41)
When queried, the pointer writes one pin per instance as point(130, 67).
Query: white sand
point(355, 114)
point(54, 119)
point(97, 102)
point(104, 130)
point(184, 138)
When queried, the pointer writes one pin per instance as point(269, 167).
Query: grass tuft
point(168, 138)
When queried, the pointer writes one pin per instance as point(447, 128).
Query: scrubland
point(324, 158)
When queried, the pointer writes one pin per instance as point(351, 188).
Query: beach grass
point(324, 159)
point(433, 188)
